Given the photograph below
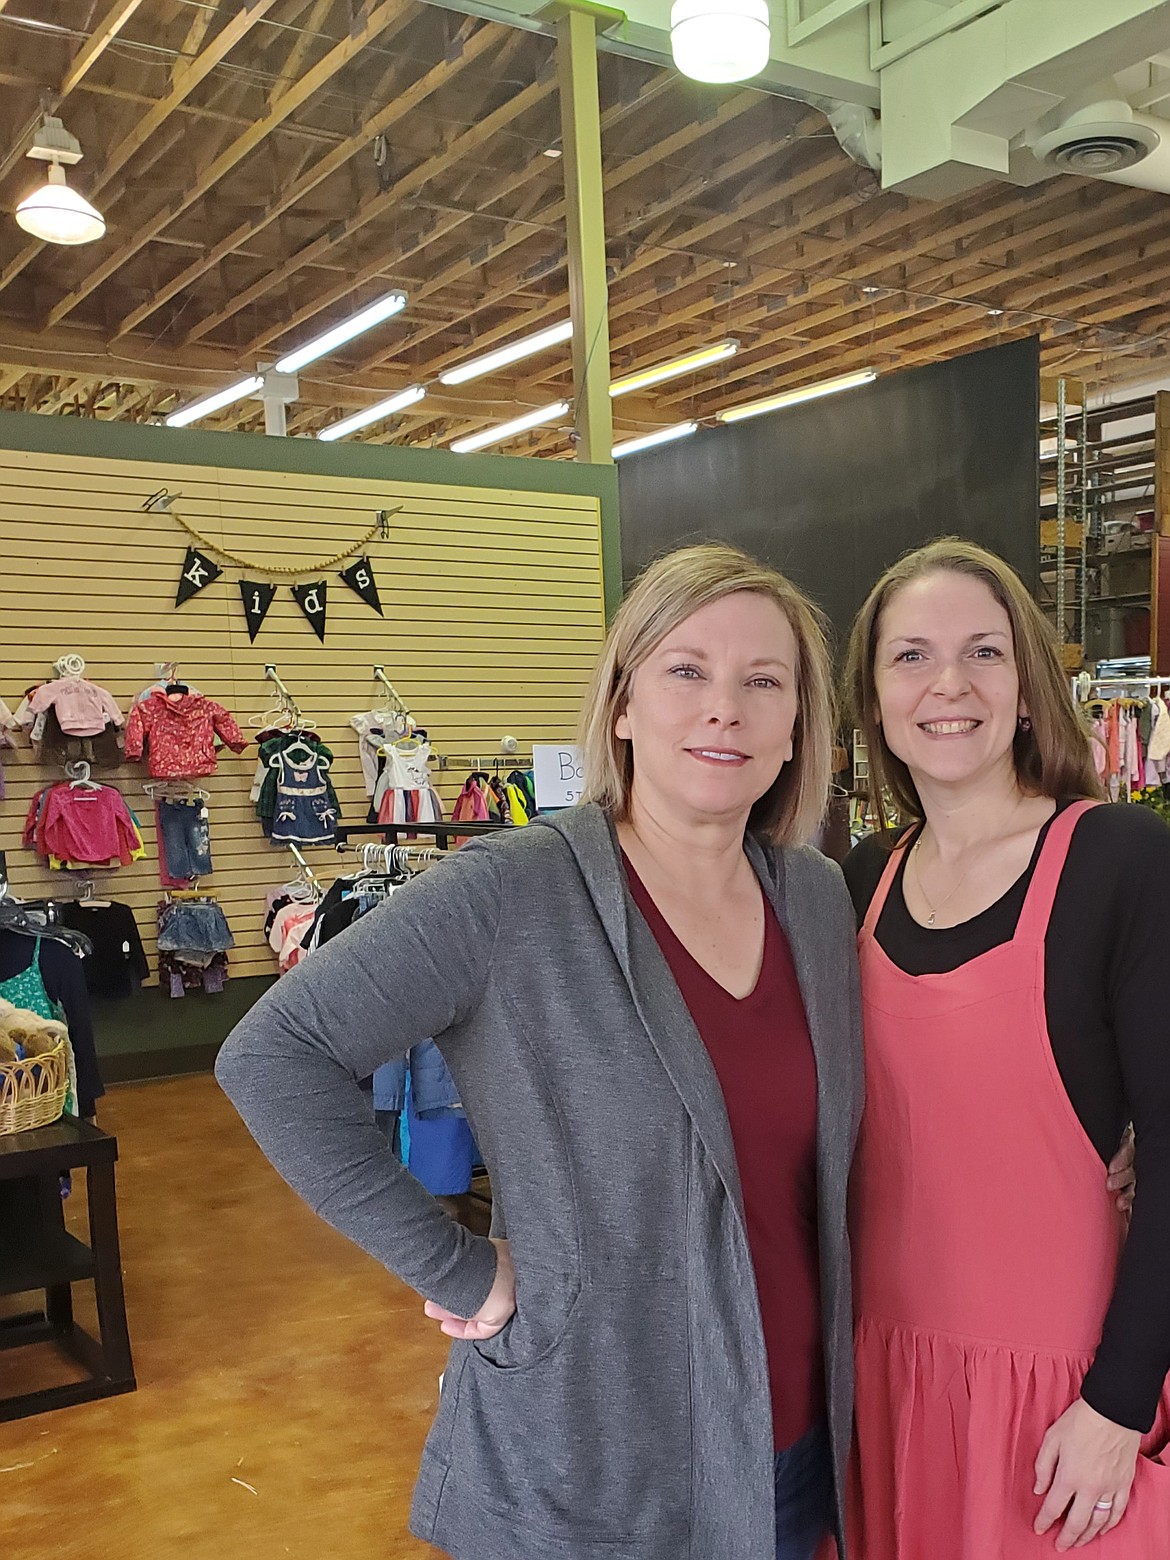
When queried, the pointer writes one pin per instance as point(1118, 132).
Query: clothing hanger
point(23, 920)
point(78, 774)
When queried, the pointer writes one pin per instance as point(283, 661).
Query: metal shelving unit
point(1096, 521)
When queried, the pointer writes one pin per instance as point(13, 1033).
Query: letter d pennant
point(311, 600)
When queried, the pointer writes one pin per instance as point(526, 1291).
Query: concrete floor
point(269, 1353)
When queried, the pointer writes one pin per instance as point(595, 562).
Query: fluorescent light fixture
point(663, 436)
point(321, 346)
point(214, 403)
point(373, 414)
point(496, 435)
point(773, 403)
point(720, 40)
point(680, 365)
point(525, 347)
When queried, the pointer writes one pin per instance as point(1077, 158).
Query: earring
point(1025, 724)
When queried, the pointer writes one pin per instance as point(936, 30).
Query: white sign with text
point(557, 772)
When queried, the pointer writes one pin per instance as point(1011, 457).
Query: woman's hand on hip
point(1121, 1179)
point(1085, 1471)
point(493, 1315)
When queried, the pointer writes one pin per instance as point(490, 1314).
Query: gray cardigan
point(623, 1413)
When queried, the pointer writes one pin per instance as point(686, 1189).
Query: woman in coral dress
point(1012, 1343)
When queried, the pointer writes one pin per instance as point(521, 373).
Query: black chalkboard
point(832, 491)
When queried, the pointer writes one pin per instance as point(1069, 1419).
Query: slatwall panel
point(493, 615)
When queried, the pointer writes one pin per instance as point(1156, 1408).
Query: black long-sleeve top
point(1107, 999)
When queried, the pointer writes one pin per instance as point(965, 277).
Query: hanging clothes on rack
point(193, 941)
point(415, 1100)
point(305, 806)
point(7, 740)
point(178, 732)
point(375, 729)
point(82, 824)
point(40, 969)
point(82, 708)
point(117, 965)
point(403, 792)
point(183, 831)
point(272, 747)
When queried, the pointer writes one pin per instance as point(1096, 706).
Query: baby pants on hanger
point(184, 839)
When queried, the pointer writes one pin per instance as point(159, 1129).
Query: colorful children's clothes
point(271, 746)
point(87, 825)
point(304, 813)
point(82, 708)
point(179, 731)
point(46, 978)
point(376, 729)
point(193, 939)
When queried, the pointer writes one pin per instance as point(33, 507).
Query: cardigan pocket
point(546, 1300)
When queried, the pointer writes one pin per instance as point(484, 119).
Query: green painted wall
point(257, 452)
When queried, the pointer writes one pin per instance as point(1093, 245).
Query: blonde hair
point(1054, 758)
point(667, 593)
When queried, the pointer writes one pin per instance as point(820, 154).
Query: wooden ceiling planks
point(232, 150)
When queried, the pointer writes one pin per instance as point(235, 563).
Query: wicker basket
point(33, 1092)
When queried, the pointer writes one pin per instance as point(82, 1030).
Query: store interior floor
point(285, 1380)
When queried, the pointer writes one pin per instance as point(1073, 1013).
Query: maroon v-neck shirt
point(762, 1054)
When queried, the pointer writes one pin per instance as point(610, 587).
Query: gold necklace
point(934, 909)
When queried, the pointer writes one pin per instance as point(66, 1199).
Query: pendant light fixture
point(54, 213)
point(720, 40)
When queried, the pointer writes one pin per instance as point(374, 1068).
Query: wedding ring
point(1103, 1505)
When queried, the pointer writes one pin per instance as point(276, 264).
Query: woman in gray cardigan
point(649, 1004)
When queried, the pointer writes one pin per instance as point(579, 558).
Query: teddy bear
point(24, 1033)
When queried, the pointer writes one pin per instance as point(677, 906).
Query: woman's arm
point(1130, 1368)
point(403, 973)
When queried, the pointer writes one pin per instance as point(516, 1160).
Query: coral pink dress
point(985, 1248)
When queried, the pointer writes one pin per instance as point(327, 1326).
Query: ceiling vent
point(1098, 140)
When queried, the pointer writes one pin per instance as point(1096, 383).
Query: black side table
point(38, 1253)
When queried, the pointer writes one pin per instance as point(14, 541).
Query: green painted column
point(585, 221)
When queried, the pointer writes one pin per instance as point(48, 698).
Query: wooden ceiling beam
point(111, 24)
point(554, 212)
point(517, 181)
point(296, 189)
point(915, 296)
point(235, 29)
point(375, 21)
point(372, 207)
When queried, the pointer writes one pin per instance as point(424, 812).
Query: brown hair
point(668, 592)
point(1053, 759)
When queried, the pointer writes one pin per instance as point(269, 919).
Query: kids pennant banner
point(198, 573)
point(257, 597)
point(360, 579)
point(311, 600)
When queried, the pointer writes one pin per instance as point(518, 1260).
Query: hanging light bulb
point(58, 215)
point(55, 213)
point(720, 40)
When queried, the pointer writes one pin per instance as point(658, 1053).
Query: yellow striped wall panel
point(493, 614)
